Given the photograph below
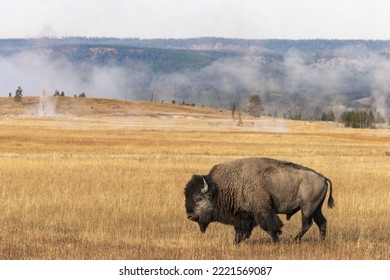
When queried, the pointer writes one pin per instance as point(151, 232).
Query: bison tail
point(330, 199)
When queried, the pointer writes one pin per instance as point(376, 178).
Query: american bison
point(252, 191)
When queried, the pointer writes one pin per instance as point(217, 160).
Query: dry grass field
point(98, 181)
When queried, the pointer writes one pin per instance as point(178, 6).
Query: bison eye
point(198, 199)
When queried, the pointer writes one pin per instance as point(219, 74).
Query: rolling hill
point(51, 106)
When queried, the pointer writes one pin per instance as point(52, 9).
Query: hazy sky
point(255, 19)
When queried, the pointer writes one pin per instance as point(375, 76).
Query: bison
point(252, 191)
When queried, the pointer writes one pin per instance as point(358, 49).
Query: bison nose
point(190, 217)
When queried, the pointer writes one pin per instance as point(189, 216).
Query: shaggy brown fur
point(252, 191)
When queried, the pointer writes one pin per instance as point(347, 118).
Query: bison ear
point(205, 188)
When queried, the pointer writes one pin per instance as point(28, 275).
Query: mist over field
point(36, 72)
point(305, 78)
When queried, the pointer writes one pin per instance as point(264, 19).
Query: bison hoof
point(237, 240)
point(297, 239)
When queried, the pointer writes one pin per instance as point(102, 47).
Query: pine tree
point(255, 107)
point(19, 94)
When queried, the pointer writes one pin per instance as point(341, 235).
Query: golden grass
point(104, 187)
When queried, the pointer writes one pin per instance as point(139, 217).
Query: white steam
point(35, 73)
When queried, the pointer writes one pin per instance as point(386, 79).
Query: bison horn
point(205, 188)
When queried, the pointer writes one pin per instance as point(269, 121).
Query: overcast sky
point(252, 19)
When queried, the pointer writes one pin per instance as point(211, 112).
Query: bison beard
point(203, 227)
point(252, 191)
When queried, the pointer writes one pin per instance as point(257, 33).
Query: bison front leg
point(241, 235)
point(242, 231)
point(270, 223)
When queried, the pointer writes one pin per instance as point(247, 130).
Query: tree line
point(353, 118)
point(19, 94)
point(356, 118)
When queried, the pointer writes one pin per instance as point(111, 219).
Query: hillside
point(51, 106)
point(102, 112)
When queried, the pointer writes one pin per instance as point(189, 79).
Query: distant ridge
point(201, 43)
point(297, 79)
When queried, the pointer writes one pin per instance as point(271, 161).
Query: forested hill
point(295, 78)
point(168, 55)
point(121, 52)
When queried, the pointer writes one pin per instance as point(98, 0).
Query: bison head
point(200, 201)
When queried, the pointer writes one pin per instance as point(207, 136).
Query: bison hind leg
point(306, 224)
point(320, 220)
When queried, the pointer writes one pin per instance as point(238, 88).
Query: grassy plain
point(103, 184)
